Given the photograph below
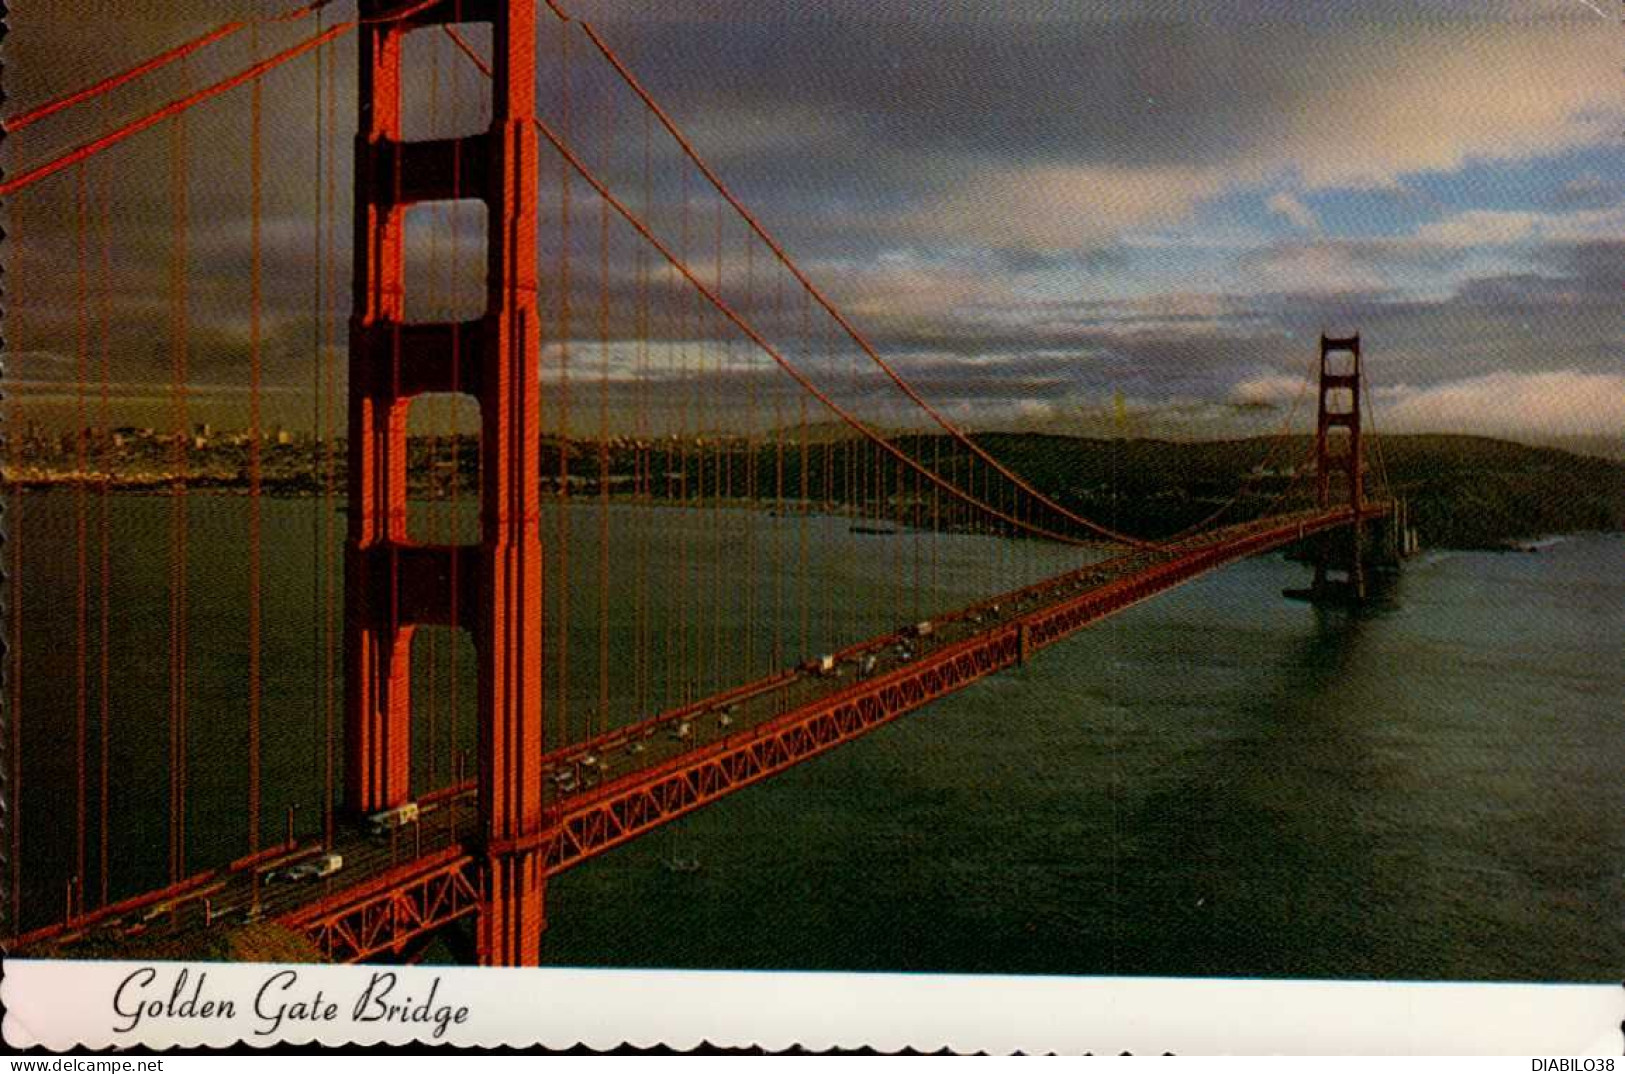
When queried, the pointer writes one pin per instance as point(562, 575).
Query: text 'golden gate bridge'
point(733, 499)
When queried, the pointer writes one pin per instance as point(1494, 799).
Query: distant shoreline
point(1463, 492)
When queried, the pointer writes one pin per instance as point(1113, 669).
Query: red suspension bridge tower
point(683, 756)
point(1340, 469)
point(492, 589)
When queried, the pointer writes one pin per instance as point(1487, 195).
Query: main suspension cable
point(28, 118)
point(728, 312)
point(829, 307)
point(191, 100)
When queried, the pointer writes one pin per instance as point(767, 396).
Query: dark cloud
point(879, 143)
point(1596, 268)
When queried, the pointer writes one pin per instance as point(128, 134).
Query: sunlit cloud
point(1052, 208)
point(1038, 202)
point(1288, 204)
point(1530, 405)
point(1269, 389)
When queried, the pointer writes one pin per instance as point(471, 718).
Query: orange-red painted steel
point(393, 909)
point(177, 107)
point(1341, 457)
point(13, 124)
point(494, 588)
point(96, 89)
point(355, 924)
point(627, 807)
point(508, 632)
point(393, 584)
point(401, 16)
point(812, 290)
point(681, 266)
point(377, 640)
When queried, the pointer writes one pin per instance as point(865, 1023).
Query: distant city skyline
point(1036, 210)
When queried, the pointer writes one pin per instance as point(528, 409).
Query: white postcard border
point(60, 1004)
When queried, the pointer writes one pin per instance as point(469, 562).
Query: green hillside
point(1463, 491)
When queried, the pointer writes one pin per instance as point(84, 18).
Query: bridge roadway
point(393, 890)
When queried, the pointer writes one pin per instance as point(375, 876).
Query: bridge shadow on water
point(1262, 861)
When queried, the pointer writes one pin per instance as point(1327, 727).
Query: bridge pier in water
point(493, 589)
point(476, 884)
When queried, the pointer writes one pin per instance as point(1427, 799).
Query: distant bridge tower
point(493, 589)
point(1340, 469)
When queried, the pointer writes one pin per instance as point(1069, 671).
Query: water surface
point(1219, 782)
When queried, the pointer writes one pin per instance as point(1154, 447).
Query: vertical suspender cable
point(671, 462)
point(728, 449)
point(425, 647)
point(857, 603)
point(704, 521)
point(179, 177)
point(317, 430)
point(685, 613)
point(105, 525)
point(937, 528)
point(642, 435)
point(255, 109)
point(81, 529)
point(752, 475)
point(719, 460)
point(911, 510)
point(561, 508)
point(900, 545)
point(398, 311)
point(830, 627)
point(885, 595)
point(778, 491)
point(454, 664)
point(183, 488)
point(603, 430)
point(331, 628)
point(454, 668)
point(803, 590)
point(14, 593)
point(857, 338)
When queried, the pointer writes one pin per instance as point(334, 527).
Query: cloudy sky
point(1032, 207)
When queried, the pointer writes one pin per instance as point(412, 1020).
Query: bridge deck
point(610, 789)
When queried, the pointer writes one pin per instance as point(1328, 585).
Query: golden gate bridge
point(639, 340)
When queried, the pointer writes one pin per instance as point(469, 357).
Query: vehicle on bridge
point(316, 869)
point(389, 820)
